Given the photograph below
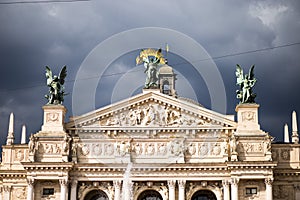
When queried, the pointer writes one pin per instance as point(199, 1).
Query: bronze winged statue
point(246, 83)
point(55, 84)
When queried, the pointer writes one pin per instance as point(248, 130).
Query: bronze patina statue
point(151, 59)
point(55, 84)
point(246, 83)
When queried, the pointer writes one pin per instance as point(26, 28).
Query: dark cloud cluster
point(56, 34)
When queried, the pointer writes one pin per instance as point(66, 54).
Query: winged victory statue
point(55, 84)
point(246, 83)
point(151, 59)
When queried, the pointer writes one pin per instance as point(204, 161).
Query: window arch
point(150, 195)
point(96, 195)
point(166, 87)
point(204, 195)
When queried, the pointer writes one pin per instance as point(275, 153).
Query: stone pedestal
point(247, 117)
point(54, 116)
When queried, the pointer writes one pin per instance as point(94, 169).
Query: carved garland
point(192, 189)
point(162, 190)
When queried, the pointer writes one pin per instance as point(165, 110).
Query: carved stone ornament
point(19, 155)
point(285, 154)
point(109, 149)
point(153, 115)
point(248, 116)
point(19, 193)
point(85, 149)
point(52, 117)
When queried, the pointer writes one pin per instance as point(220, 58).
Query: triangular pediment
point(151, 110)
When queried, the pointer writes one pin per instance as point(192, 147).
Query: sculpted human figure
point(31, 144)
point(233, 144)
point(151, 59)
point(55, 84)
point(65, 145)
point(246, 83)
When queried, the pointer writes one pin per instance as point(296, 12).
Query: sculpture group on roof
point(55, 84)
point(246, 83)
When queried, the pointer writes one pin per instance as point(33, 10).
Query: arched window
point(96, 195)
point(204, 195)
point(166, 87)
point(150, 195)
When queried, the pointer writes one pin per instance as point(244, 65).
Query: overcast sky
point(34, 35)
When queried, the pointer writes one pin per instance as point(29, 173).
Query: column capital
point(30, 181)
point(7, 188)
point(74, 182)
point(117, 184)
point(269, 181)
point(63, 182)
point(225, 182)
point(171, 183)
point(181, 183)
point(235, 181)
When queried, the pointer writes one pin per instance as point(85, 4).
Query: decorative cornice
point(42, 166)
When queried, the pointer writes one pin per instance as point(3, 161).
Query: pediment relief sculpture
point(154, 115)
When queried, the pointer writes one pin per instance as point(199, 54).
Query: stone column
point(127, 190)
point(30, 189)
point(226, 192)
point(74, 190)
point(1, 192)
point(269, 193)
point(63, 189)
point(7, 190)
point(171, 185)
point(117, 186)
point(297, 191)
point(181, 187)
point(234, 189)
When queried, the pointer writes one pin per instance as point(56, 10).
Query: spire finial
point(23, 135)
point(10, 136)
point(295, 138)
point(286, 134)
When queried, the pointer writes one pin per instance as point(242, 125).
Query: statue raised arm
point(55, 84)
point(246, 83)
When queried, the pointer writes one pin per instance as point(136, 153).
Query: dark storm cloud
point(57, 34)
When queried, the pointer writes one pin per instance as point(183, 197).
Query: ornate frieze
point(153, 115)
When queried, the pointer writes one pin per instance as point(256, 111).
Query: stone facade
point(150, 146)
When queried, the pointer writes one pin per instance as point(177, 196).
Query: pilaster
point(234, 188)
point(7, 192)
point(226, 191)
point(74, 184)
point(181, 189)
point(30, 188)
point(171, 185)
point(117, 186)
point(269, 193)
point(63, 189)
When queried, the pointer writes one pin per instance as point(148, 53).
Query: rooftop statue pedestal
point(247, 117)
point(53, 141)
point(54, 116)
point(253, 144)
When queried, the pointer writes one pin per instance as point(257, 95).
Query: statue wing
point(251, 73)
point(239, 74)
point(48, 75)
point(62, 75)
